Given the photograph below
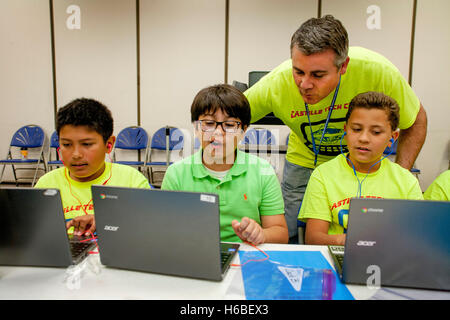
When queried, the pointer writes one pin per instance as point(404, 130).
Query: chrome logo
point(102, 196)
point(364, 210)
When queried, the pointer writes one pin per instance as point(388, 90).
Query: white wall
point(182, 49)
point(432, 84)
point(381, 25)
point(25, 68)
point(98, 60)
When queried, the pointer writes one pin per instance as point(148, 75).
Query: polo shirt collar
point(238, 168)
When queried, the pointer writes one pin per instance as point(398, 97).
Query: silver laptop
point(402, 243)
point(167, 232)
point(33, 230)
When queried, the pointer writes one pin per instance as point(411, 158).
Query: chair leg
point(15, 176)
point(1, 177)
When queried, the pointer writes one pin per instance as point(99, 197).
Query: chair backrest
point(254, 76)
point(240, 86)
point(54, 140)
point(176, 139)
point(132, 138)
point(29, 136)
point(259, 137)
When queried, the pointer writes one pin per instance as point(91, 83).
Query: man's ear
point(344, 66)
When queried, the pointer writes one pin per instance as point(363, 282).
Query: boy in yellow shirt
point(85, 129)
point(439, 189)
point(370, 126)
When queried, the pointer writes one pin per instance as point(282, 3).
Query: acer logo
point(363, 243)
point(111, 228)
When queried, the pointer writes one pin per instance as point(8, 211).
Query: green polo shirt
point(250, 189)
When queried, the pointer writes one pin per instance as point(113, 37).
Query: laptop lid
point(168, 232)
point(32, 228)
point(402, 243)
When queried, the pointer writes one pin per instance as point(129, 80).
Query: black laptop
point(33, 230)
point(167, 232)
point(405, 243)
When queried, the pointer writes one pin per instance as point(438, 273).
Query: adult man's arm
point(411, 140)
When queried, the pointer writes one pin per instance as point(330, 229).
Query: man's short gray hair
point(319, 34)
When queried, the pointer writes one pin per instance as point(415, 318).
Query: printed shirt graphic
point(333, 184)
point(77, 196)
point(367, 71)
point(249, 189)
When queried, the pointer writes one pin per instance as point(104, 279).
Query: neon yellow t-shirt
point(77, 197)
point(333, 184)
point(367, 71)
point(440, 188)
point(249, 189)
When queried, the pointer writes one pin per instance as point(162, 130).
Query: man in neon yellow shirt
point(311, 92)
point(251, 205)
point(440, 188)
point(370, 127)
point(85, 129)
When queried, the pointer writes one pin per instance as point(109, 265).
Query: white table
point(109, 283)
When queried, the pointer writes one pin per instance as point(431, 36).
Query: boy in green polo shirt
point(85, 129)
point(371, 125)
point(251, 203)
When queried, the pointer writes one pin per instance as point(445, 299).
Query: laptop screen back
point(32, 228)
point(168, 232)
point(406, 241)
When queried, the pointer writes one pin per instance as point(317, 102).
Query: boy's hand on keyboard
point(83, 225)
point(249, 230)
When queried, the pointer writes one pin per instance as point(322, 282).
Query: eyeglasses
point(211, 125)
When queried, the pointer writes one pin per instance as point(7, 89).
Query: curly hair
point(86, 112)
point(376, 100)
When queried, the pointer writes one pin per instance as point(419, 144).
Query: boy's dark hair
point(376, 100)
point(224, 97)
point(86, 112)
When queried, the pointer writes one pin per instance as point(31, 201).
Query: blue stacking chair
point(257, 136)
point(54, 146)
point(30, 138)
point(164, 142)
point(132, 138)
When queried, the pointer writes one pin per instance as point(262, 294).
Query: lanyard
point(316, 151)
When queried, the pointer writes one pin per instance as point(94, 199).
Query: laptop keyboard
point(337, 253)
point(78, 248)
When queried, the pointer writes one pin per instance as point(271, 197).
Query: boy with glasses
point(251, 203)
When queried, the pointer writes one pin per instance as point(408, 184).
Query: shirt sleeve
point(315, 201)
point(437, 189)
point(259, 98)
point(272, 199)
point(170, 180)
point(140, 181)
point(399, 89)
point(46, 181)
point(415, 193)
